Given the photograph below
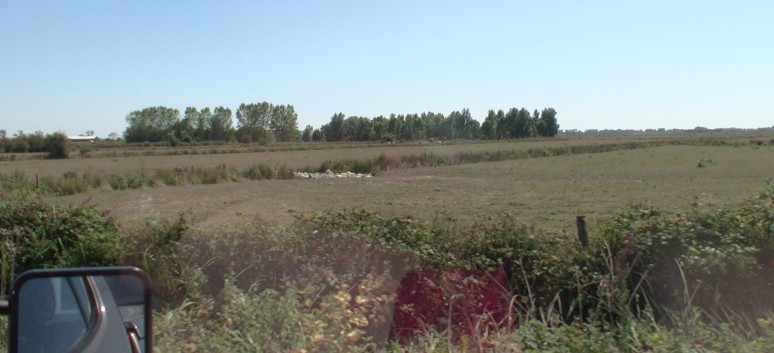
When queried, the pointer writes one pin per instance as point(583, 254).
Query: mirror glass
point(50, 318)
point(87, 311)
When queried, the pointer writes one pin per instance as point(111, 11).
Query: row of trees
point(55, 143)
point(516, 123)
point(258, 122)
point(266, 123)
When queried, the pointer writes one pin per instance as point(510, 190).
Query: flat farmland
point(547, 192)
point(295, 159)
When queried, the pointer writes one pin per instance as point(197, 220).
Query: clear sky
point(76, 65)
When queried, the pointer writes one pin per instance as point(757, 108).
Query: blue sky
point(74, 66)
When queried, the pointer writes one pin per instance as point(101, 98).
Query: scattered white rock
point(330, 175)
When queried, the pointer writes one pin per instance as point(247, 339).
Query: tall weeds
point(35, 234)
point(649, 280)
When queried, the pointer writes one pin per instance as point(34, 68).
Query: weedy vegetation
point(652, 277)
point(74, 182)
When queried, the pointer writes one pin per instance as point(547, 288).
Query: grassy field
point(223, 277)
point(548, 192)
point(294, 156)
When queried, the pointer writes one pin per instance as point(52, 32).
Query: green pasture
point(546, 192)
point(212, 245)
point(134, 158)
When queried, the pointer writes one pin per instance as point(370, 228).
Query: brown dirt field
point(547, 192)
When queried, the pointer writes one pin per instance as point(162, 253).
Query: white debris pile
point(330, 175)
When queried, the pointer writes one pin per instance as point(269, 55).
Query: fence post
point(583, 235)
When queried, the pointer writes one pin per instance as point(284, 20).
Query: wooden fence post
point(583, 235)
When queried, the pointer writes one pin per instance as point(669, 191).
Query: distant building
point(81, 138)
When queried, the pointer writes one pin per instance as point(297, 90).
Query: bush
point(335, 275)
point(34, 234)
point(258, 172)
point(15, 182)
point(84, 149)
point(719, 260)
point(172, 139)
point(154, 246)
point(57, 146)
point(118, 182)
point(329, 283)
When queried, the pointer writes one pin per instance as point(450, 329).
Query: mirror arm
point(134, 336)
point(4, 308)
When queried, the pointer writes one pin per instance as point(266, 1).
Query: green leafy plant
point(36, 234)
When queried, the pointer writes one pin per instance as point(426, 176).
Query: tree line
point(55, 144)
point(266, 123)
point(256, 122)
point(515, 123)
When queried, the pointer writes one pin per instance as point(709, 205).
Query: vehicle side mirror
point(105, 309)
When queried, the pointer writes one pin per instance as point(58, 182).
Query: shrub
point(723, 257)
point(34, 234)
point(84, 149)
point(57, 146)
point(329, 282)
point(172, 139)
point(118, 182)
point(285, 173)
point(15, 182)
point(258, 172)
point(154, 246)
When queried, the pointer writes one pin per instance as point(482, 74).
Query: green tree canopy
point(284, 123)
point(307, 135)
point(150, 124)
point(548, 120)
point(488, 127)
point(221, 124)
point(333, 131)
point(264, 122)
point(253, 121)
